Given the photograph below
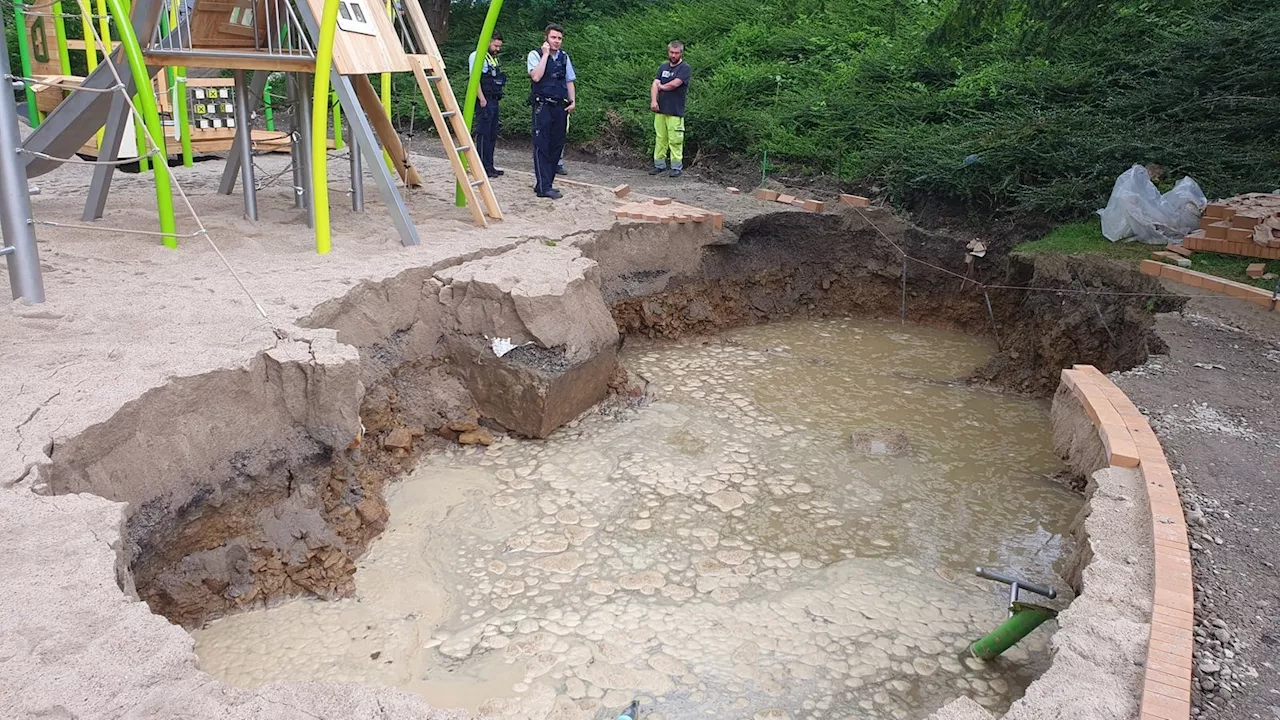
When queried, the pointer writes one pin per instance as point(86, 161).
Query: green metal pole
point(60, 29)
point(319, 118)
point(1025, 618)
point(147, 101)
point(181, 113)
point(24, 51)
point(266, 108)
point(473, 83)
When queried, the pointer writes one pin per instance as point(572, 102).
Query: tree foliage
point(1022, 106)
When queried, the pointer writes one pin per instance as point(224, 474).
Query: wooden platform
point(216, 140)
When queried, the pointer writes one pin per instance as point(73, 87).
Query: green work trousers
point(670, 131)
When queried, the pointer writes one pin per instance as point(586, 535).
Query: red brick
point(1164, 707)
point(1256, 270)
point(786, 199)
point(1214, 210)
point(622, 191)
point(764, 194)
point(855, 200)
point(1237, 234)
point(1179, 249)
point(1150, 267)
point(1216, 231)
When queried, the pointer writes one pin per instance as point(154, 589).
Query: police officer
point(552, 95)
point(492, 82)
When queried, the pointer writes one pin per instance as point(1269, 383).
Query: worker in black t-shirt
point(666, 99)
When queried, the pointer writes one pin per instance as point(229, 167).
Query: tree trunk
point(438, 18)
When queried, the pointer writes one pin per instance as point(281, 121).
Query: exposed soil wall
point(806, 264)
point(269, 479)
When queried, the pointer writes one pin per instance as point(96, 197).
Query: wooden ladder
point(428, 69)
point(456, 138)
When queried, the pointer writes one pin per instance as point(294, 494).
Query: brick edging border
point(1130, 442)
point(1212, 283)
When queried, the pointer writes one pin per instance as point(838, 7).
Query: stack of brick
point(663, 210)
point(1247, 225)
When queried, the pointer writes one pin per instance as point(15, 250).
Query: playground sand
point(126, 315)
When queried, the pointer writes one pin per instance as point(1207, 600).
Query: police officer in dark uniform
point(492, 82)
point(553, 96)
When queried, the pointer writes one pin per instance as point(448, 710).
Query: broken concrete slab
point(531, 390)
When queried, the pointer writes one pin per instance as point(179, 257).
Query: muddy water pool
point(722, 550)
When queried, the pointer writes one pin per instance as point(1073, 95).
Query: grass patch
point(1231, 267)
point(1085, 238)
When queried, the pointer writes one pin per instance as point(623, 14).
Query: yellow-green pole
point(25, 54)
point(60, 28)
point(181, 114)
point(319, 119)
point(132, 52)
point(90, 53)
point(386, 96)
point(473, 84)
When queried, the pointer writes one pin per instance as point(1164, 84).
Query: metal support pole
point(21, 253)
point(108, 150)
point(904, 290)
point(257, 87)
point(357, 180)
point(244, 126)
point(302, 111)
point(991, 314)
point(295, 155)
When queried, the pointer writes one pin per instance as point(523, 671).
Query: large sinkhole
point(788, 522)
point(776, 512)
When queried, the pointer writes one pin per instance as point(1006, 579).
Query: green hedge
point(1003, 120)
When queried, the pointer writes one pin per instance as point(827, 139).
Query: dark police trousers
point(549, 122)
point(486, 133)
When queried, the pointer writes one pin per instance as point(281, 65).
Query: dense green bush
point(987, 105)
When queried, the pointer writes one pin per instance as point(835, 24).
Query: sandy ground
point(124, 313)
point(1213, 403)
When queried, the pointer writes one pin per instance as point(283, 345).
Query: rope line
point(153, 233)
point(965, 279)
point(33, 81)
point(137, 116)
point(76, 160)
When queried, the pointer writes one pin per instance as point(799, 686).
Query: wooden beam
point(372, 105)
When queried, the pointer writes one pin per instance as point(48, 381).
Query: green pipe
point(60, 29)
point(147, 100)
point(473, 82)
point(319, 119)
point(24, 52)
point(266, 109)
point(181, 113)
point(1025, 618)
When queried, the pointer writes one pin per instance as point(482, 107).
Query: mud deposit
point(724, 549)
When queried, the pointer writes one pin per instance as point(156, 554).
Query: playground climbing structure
point(306, 41)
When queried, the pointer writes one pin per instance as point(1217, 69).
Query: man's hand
point(484, 103)
point(546, 49)
point(569, 108)
point(654, 106)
